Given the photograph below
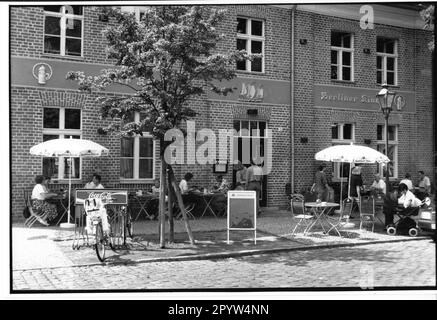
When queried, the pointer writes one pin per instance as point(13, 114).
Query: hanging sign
point(242, 211)
point(108, 196)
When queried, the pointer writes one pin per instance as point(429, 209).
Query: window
point(250, 37)
point(137, 159)
point(61, 123)
point(63, 30)
point(138, 11)
point(342, 56)
point(246, 131)
point(342, 133)
point(392, 148)
point(386, 61)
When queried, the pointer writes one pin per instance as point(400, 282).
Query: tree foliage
point(166, 59)
point(427, 15)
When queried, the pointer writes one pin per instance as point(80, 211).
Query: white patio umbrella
point(71, 148)
point(350, 153)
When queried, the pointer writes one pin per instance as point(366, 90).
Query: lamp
point(385, 99)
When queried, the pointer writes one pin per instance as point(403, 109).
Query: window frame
point(136, 156)
point(249, 38)
point(384, 56)
point(63, 31)
point(394, 143)
point(63, 133)
point(340, 141)
point(339, 51)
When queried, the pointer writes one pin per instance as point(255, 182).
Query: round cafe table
point(320, 210)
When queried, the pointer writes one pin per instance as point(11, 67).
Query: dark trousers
point(255, 186)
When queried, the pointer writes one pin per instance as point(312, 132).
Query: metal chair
point(342, 222)
point(367, 211)
point(299, 212)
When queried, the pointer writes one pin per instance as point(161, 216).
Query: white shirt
point(183, 185)
point(424, 183)
point(38, 191)
point(91, 185)
point(379, 185)
point(409, 200)
point(408, 182)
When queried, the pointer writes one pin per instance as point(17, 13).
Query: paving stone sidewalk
point(51, 247)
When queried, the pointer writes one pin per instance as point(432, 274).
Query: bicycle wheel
point(100, 243)
point(129, 224)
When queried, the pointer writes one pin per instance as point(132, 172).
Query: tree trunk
point(170, 210)
point(172, 179)
point(162, 184)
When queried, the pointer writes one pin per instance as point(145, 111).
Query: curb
point(224, 255)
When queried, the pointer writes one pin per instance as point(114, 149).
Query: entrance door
point(249, 141)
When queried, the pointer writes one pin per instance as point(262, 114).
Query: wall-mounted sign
point(242, 211)
point(352, 98)
point(42, 72)
point(108, 196)
point(251, 91)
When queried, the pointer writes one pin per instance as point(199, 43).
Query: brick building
point(329, 98)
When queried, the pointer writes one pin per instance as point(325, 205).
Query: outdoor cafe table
point(142, 202)
point(207, 199)
point(320, 210)
point(61, 202)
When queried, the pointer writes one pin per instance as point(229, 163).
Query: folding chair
point(342, 222)
point(367, 212)
point(299, 212)
point(34, 216)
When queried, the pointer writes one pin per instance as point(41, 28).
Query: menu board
point(108, 196)
point(242, 211)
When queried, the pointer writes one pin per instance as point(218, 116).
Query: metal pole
point(387, 175)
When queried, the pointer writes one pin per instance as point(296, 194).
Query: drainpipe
point(293, 8)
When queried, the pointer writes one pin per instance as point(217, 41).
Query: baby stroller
point(406, 223)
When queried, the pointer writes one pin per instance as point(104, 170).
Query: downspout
point(293, 8)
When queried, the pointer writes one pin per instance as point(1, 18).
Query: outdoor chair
point(342, 221)
point(34, 216)
point(300, 214)
point(367, 212)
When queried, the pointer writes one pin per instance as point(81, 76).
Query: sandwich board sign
point(242, 211)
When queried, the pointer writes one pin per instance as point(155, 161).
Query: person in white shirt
point(408, 200)
point(95, 182)
point(407, 181)
point(424, 186)
point(378, 185)
point(46, 211)
point(183, 185)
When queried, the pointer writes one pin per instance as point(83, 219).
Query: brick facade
point(312, 66)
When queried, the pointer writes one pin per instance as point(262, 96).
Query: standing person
point(378, 186)
point(356, 181)
point(240, 177)
point(254, 178)
point(321, 187)
point(39, 203)
point(424, 186)
point(95, 182)
point(183, 185)
point(407, 181)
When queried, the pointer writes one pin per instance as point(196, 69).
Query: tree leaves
point(166, 59)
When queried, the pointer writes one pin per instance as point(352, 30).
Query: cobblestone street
point(409, 263)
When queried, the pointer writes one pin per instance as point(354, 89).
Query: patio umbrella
point(71, 148)
point(351, 153)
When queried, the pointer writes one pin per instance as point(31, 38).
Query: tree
point(166, 59)
point(427, 15)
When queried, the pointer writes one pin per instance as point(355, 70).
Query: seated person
point(47, 211)
point(183, 185)
point(424, 186)
point(378, 186)
point(407, 181)
point(408, 201)
point(155, 188)
point(221, 185)
point(95, 182)
point(95, 208)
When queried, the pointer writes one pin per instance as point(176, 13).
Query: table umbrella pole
point(69, 224)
